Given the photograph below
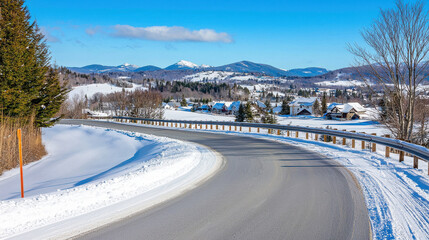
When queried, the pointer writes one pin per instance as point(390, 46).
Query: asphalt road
point(267, 190)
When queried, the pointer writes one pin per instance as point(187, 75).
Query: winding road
point(267, 190)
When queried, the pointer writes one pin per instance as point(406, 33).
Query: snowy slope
point(105, 88)
point(94, 175)
point(182, 64)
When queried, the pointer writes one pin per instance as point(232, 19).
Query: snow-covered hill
point(182, 64)
point(104, 88)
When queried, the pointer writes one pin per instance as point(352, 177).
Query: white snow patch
point(92, 176)
point(104, 88)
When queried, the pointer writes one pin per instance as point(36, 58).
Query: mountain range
point(241, 67)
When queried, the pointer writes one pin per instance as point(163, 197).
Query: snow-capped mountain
point(182, 64)
point(96, 68)
point(238, 67)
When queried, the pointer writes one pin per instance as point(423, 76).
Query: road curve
point(267, 190)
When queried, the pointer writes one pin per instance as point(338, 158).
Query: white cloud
point(48, 36)
point(91, 31)
point(164, 33)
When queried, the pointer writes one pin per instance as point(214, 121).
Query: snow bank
point(94, 175)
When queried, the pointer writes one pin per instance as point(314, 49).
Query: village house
point(233, 108)
point(346, 111)
point(302, 106)
point(219, 108)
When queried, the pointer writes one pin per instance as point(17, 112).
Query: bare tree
point(398, 46)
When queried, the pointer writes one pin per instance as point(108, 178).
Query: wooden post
point(240, 129)
point(306, 135)
point(416, 162)
point(401, 156)
point(250, 129)
point(258, 130)
point(296, 134)
point(334, 139)
point(387, 154)
point(374, 146)
point(325, 138)
point(316, 137)
point(363, 142)
point(278, 132)
point(217, 127)
point(223, 127)
point(235, 129)
point(288, 133)
point(211, 126)
point(353, 141)
point(344, 139)
point(20, 161)
point(229, 127)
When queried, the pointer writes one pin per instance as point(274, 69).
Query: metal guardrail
point(413, 149)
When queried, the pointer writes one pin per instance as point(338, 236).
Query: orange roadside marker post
point(20, 161)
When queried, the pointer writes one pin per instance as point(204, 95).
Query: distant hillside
point(238, 67)
point(147, 68)
point(306, 72)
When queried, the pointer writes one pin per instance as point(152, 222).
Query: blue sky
point(285, 34)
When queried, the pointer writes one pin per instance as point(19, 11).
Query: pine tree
point(28, 85)
point(241, 116)
point(285, 108)
point(316, 108)
point(249, 113)
point(324, 104)
point(183, 103)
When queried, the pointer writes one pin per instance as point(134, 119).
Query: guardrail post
point(207, 126)
point(325, 138)
point(363, 142)
point(229, 127)
point(258, 130)
point(288, 133)
point(296, 134)
point(344, 139)
point(235, 129)
point(374, 146)
point(387, 154)
point(306, 135)
point(353, 141)
point(211, 126)
point(401, 156)
point(334, 139)
point(223, 127)
point(278, 132)
point(240, 129)
point(217, 127)
point(316, 137)
point(416, 162)
point(250, 129)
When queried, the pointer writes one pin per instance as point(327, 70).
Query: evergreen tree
point(28, 85)
point(316, 108)
point(248, 111)
point(183, 103)
point(285, 108)
point(324, 104)
point(241, 116)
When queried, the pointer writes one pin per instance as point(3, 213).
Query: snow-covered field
point(105, 88)
point(345, 83)
point(94, 175)
point(396, 194)
point(366, 126)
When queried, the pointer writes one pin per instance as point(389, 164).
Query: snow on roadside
point(396, 194)
point(92, 169)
